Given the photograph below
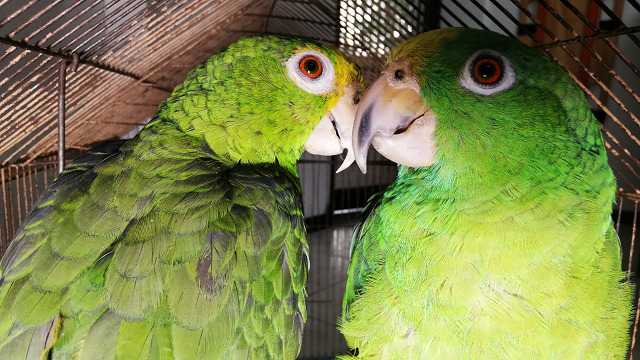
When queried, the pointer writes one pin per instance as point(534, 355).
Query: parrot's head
point(461, 100)
point(268, 98)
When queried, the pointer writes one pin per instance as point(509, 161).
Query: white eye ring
point(504, 80)
point(318, 85)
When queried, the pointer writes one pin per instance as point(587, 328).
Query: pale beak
point(333, 134)
point(397, 122)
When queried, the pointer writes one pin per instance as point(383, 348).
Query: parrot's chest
point(498, 284)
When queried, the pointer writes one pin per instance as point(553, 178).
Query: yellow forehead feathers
point(422, 46)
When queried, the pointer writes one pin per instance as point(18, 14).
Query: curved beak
point(397, 122)
point(333, 134)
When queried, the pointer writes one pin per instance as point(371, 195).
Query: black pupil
point(311, 66)
point(487, 69)
point(399, 74)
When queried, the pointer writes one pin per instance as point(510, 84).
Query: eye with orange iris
point(487, 70)
point(312, 71)
point(311, 66)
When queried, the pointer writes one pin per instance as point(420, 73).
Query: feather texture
point(504, 248)
point(185, 242)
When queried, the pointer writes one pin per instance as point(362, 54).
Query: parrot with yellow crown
point(496, 239)
point(187, 241)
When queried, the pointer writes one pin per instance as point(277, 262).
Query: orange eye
point(487, 70)
point(311, 66)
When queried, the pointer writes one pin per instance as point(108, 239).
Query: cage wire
point(117, 60)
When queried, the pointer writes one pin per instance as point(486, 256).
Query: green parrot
point(187, 241)
point(496, 240)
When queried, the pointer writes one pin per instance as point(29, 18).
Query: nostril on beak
point(356, 98)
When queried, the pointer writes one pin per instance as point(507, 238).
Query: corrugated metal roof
point(310, 19)
point(151, 45)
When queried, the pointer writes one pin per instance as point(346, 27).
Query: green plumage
point(186, 242)
point(504, 248)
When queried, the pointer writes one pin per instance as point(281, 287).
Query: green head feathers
point(485, 109)
point(250, 104)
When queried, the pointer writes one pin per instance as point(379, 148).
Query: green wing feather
point(209, 264)
point(187, 241)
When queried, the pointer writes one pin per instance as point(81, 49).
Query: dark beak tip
point(363, 138)
point(361, 160)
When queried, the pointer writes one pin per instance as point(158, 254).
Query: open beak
point(397, 122)
point(333, 134)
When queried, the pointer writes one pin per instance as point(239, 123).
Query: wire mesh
point(133, 52)
point(332, 207)
point(21, 185)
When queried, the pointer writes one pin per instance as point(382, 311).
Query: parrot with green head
point(187, 241)
point(496, 239)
